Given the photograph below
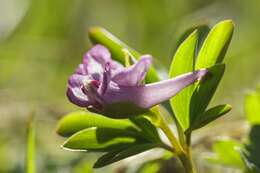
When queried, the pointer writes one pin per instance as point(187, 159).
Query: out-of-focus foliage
point(30, 155)
point(227, 153)
point(161, 165)
point(252, 107)
point(252, 150)
point(244, 156)
point(83, 167)
point(41, 42)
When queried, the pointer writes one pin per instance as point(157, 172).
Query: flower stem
point(188, 147)
point(183, 155)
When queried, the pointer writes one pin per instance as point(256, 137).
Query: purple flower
point(106, 87)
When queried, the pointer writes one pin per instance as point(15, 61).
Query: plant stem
point(188, 143)
point(177, 148)
point(188, 148)
point(181, 134)
point(173, 140)
point(187, 163)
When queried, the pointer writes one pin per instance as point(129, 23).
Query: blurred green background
point(42, 41)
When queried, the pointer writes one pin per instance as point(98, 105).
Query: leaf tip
point(227, 22)
point(58, 128)
point(229, 107)
point(69, 146)
point(194, 33)
point(94, 29)
point(97, 165)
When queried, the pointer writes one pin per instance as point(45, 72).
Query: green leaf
point(210, 115)
point(202, 30)
point(205, 91)
point(226, 153)
point(99, 35)
point(183, 61)
point(147, 128)
point(30, 155)
point(215, 46)
point(252, 107)
point(100, 139)
point(76, 121)
point(117, 155)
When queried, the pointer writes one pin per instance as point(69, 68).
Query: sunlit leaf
point(210, 115)
point(99, 35)
point(226, 153)
point(76, 121)
point(117, 155)
point(100, 139)
point(215, 46)
point(183, 61)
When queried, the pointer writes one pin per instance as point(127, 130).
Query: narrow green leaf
point(30, 156)
point(205, 91)
point(76, 121)
point(99, 35)
point(226, 153)
point(210, 115)
point(215, 46)
point(147, 128)
point(100, 139)
point(183, 61)
point(202, 29)
point(118, 155)
point(252, 107)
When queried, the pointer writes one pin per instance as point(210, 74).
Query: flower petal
point(153, 94)
point(81, 70)
point(150, 95)
point(96, 59)
point(134, 74)
point(105, 79)
point(100, 54)
point(76, 96)
point(74, 91)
